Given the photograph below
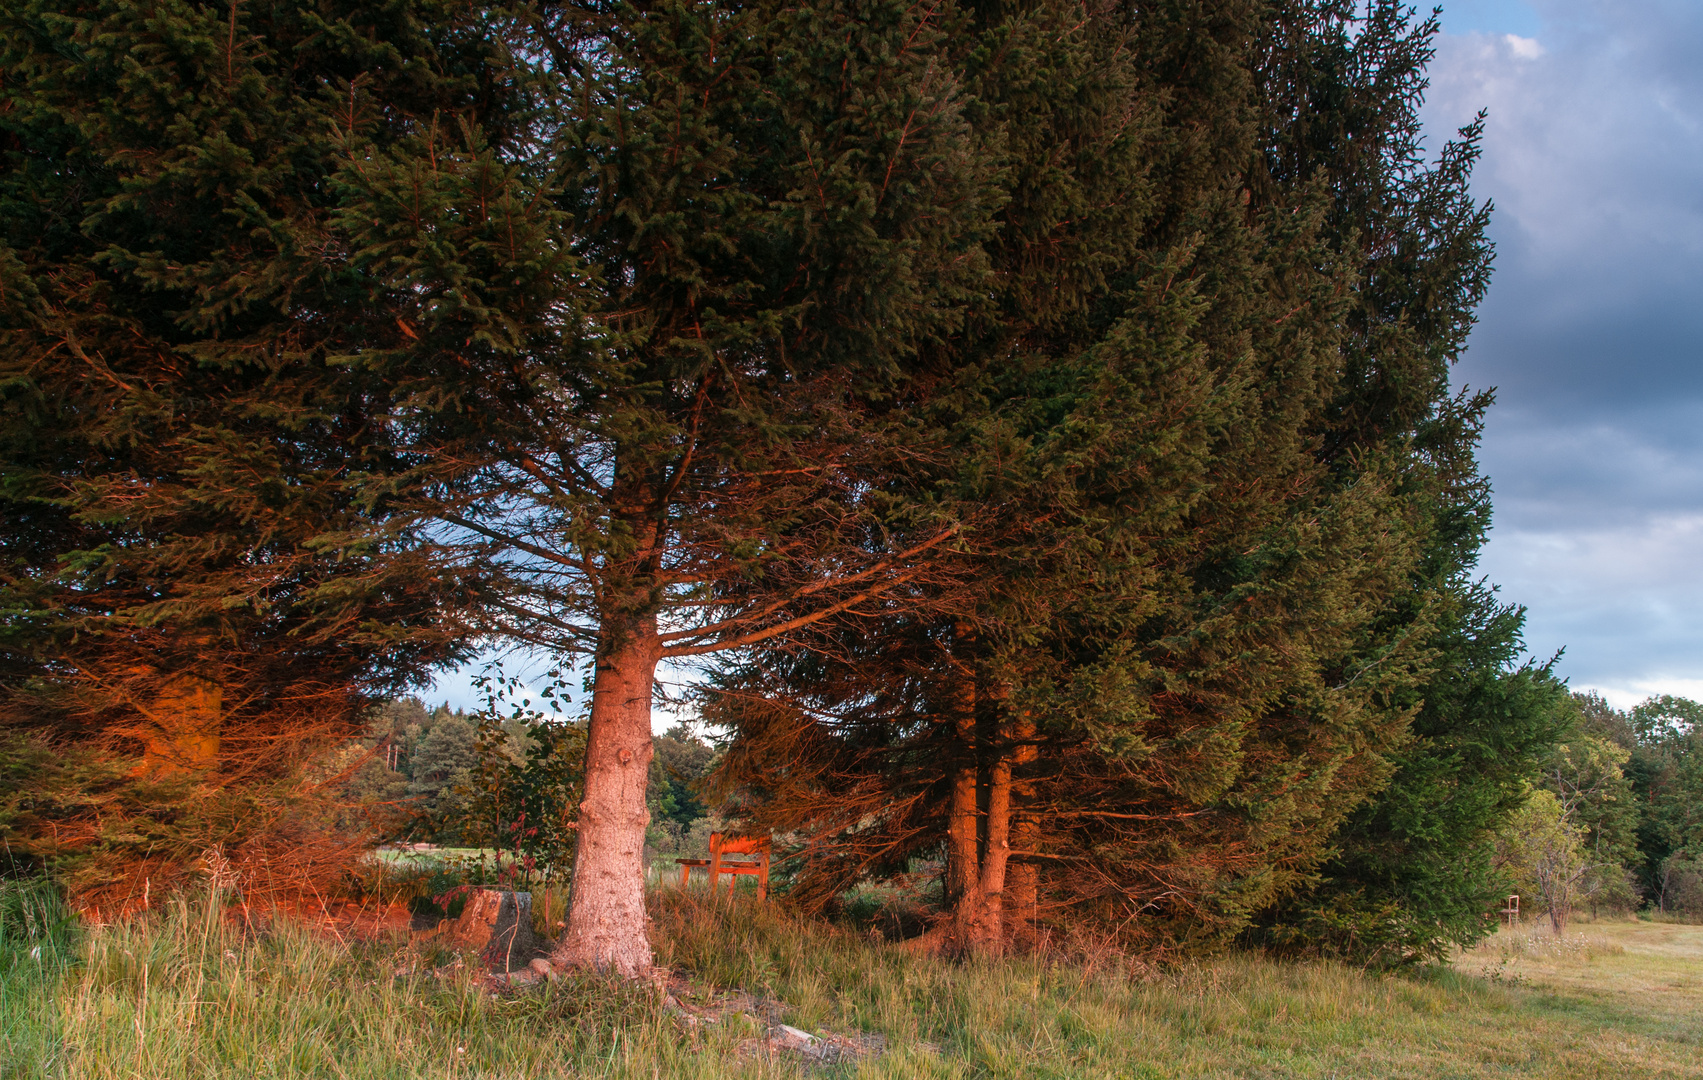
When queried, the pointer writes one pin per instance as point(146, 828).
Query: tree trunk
point(962, 869)
point(1021, 879)
point(606, 910)
point(979, 833)
point(182, 732)
point(963, 866)
point(988, 930)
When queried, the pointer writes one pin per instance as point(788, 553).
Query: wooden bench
point(718, 864)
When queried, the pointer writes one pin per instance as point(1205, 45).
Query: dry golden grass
point(185, 996)
point(1623, 992)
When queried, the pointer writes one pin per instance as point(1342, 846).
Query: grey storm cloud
point(1593, 330)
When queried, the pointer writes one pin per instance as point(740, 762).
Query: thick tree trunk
point(182, 731)
point(606, 911)
point(987, 932)
point(962, 866)
point(979, 829)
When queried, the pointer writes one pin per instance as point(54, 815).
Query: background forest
point(425, 766)
point(1032, 420)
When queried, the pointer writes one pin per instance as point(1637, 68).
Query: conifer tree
point(194, 572)
point(1412, 872)
point(741, 227)
point(1170, 680)
point(590, 309)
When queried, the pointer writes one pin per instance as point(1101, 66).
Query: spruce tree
point(581, 319)
point(1341, 87)
point(1166, 675)
point(739, 228)
point(196, 573)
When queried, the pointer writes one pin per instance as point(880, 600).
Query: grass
point(186, 995)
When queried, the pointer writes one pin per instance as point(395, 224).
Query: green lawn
point(188, 997)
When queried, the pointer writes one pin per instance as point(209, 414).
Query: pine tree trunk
point(606, 911)
point(183, 727)
point(963, 866)
point(1021, 880)
point(988, 931)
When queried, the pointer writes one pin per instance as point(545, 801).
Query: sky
point(1592, 333)
point(1593, 329)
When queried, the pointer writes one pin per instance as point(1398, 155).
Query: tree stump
point(499, 925)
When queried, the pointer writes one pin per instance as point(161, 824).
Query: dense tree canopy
point(1042, 409)
point(1241, 505)
point(197, 573)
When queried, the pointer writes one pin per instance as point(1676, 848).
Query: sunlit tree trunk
point(606, 914)
point(1021, 880)
point(979, 833)
point(182, 727)
point(963, 867)
point(988, 931)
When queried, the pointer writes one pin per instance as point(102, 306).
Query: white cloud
point(1623, 599)
point(1624, 697)
point(1590, 146)
point(1524, 48)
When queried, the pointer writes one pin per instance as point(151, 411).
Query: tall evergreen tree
point(591, 308)
point(741, 225)
point(1184, 658)
point(1342, 87)
point(192, 573)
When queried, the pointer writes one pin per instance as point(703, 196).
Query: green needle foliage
point(1218, 596)
point(194, 553)
point(1043, 408)
point(1410, 874)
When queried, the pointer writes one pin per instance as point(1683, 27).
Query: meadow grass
point(186, 994)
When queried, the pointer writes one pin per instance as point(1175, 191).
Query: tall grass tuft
point(38, 943)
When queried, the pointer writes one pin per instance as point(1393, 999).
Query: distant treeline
point(1628, 786)
point(422, 764)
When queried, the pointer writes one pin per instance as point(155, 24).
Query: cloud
point(1622, 697)
point(1593, 330)
point(1621, 598)
point(1523, 47)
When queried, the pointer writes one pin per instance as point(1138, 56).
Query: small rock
point(542, 967)
point(792, 1038)
point(512, 979)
